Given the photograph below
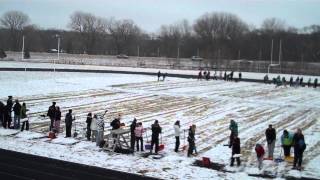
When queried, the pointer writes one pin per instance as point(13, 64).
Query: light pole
point(54, 61)
point(22, 51)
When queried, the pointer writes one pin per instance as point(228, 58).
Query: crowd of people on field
point(298, 82)
point(19, 114)
point(226, 76)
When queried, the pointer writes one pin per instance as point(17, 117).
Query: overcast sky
point(151, 14)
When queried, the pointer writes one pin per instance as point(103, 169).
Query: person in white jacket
point(177, 135)
point(93, 128)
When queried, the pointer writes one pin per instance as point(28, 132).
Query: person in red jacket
point(260, 153)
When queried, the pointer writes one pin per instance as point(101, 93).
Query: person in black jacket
point(115, 124)
point(9, 111)
point(271, 140)
point(191, 140)
point(133, 137)
point(88, 121)
point(156, 130)
point(51, 114)
point(235, 150)
point(291, 81)
point(57, 120)
point(299, 146)
point(315, 84)
point(17, 111)
point(159, 75)
point(68, 121)
point(2, 112)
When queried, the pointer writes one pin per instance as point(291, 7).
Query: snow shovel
point(279, 159)
point(75, 134)
point(161, 146)
point(147, 146)
point(184, 147)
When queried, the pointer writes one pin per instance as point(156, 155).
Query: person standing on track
point(139, 130)
point(159, 75)
point(156, 130)
point(177, 135)
point(260, 153)
point(9, 111)
point(23, 116)
point(89, 121)
point(68, 121)
point(17, 112)
point(299, 147)
point(93, 127)
point(235, 150)
point(57, 120)
point(191, 140)
point(51, 114)
point(286, 142)
point(271, 140)
point(233, 127)
point(132, 130)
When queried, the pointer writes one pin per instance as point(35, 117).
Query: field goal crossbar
point(272, 65)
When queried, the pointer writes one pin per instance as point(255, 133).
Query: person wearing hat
point(52, 114)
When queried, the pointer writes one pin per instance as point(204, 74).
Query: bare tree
point(124, 33)
point(273, 25)
point(89, 27)
point(15, 21)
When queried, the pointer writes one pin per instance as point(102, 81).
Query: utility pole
point(178, 55)
point(138, 51)
point(280, 54)
point(239, 54)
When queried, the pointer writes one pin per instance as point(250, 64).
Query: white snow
point(208, 104)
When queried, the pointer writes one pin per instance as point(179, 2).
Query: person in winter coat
point(271, 140)
point(24, 118)
point(9, 111)
point(233, 127)
point(132, 132)
point(191, 140)
point(17, 111)
point(235, 150)
point(156, 130)
point(68, 121)
point(315, 84)
point(115, 124)
point(200, 75)
point(240, 76)
point(260, 153)
point(286, 142)
point(57, 120)
point(309, 82)
point(301, 81)
point(2, 113)
point(88, 121)
point(51, 113)
point(177, 135)
point(159, 75)
point(299, 146)
point(139, 130)
point(93, 127)
point(291, 81)
point(100, 130)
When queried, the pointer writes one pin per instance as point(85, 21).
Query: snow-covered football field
point(208, 104)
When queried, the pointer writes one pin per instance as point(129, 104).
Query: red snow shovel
point(206, 161)
point(161, 146)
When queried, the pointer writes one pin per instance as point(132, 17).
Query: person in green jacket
point(24, 118)
point(286, 141)
point(234, 131)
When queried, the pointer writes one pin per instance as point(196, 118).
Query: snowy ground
point(208, 104)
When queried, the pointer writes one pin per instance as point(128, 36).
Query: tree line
point(214, 36)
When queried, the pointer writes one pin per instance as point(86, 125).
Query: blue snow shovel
point(279, 159)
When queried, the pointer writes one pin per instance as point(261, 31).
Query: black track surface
point(20, 166)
